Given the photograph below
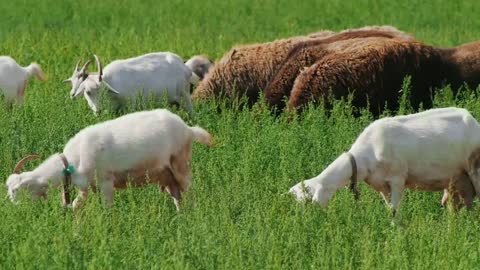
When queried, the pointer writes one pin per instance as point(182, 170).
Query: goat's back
point(122, 143)
point(431, 145)
point(11, 73)
point(157, 72)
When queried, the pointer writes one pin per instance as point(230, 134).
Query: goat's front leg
point(397, 186)
point(180, 166)
point(80, 199)
point(108, 190)
point(188, 105)
point(82, 182)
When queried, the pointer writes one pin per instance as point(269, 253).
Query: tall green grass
point(236, 214)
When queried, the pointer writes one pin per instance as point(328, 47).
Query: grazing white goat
point(158, 73)
point(14, 78)
point(157, 141)
point(200, 65)
point(420, 151)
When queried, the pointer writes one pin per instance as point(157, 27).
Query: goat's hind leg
point(445, 197)
point(180, 164)
point(464, 191)
point(473, 170)
point(169, 184)
point(174, 190)
point(21, 93)
point(453, 191)
point(386, 197)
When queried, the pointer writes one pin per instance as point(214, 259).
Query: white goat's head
point(200, 65)
point(78, 77)
point(88, 84)
point(302, 191)
point(19, 180)
point(310, 190)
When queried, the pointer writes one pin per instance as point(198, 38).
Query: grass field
point(235, 216)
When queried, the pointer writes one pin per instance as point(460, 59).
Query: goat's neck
point(50, 170)
point(337, 174)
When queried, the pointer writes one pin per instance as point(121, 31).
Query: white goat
point(157, 141)
point(200, 65)
point(14, 78)
point(159, 73)
point(420, 151)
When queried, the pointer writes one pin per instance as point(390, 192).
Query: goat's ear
point(110, 88)
point(113, 91)
point(67, 80)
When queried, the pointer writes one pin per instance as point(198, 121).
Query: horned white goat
point(156, 73)
point(157, 141)
point(420, 151)
point(14, 78)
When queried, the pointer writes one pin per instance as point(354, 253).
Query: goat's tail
point(202, 136)
point(194, 79)
point(36, 70)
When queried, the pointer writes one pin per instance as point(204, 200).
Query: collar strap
point(67, 180)
point(64, 160)
point(353, 179)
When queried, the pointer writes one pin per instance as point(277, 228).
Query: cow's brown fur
point(463, 64)
point(246, 70)
point(375, 69)
point(305, 54)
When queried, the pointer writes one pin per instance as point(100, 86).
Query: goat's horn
point(99, 67)
point(76, 66)
point(86, 65)
point(22, 162)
